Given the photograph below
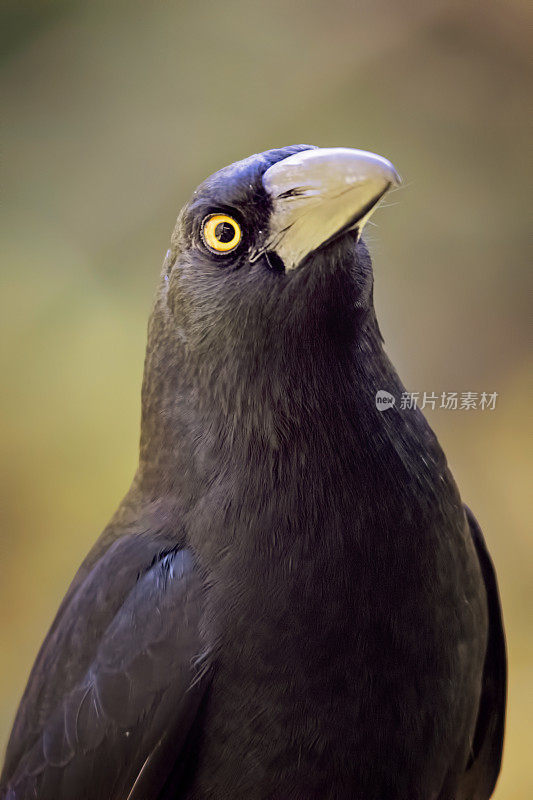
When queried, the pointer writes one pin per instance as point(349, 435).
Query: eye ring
point(221, 233)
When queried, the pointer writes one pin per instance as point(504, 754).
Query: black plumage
point(291, 602)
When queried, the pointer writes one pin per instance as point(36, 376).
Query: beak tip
point(397, 179)
point(382, 166)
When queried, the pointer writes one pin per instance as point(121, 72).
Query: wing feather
point(483, 768)
point(104, 714)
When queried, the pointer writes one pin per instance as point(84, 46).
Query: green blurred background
point(114, 111)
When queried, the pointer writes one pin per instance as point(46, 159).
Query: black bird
point(291, 602)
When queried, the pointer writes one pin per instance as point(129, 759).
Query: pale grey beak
point(319, 194)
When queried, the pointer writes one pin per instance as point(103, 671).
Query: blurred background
point(115, 111)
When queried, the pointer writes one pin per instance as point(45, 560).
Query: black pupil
point(224, 232)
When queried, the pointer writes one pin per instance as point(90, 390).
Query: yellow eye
point(221, 233)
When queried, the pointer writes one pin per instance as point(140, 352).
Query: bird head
point(272, 243)
point(267, 283)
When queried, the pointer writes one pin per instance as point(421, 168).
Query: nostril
point(274, 262)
